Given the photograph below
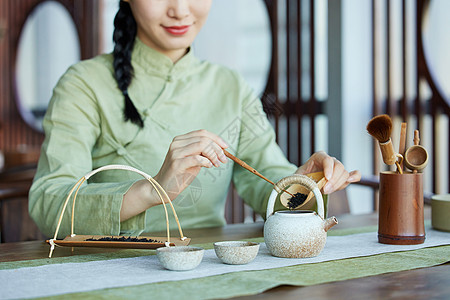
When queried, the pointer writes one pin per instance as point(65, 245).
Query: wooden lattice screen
point(296, 105)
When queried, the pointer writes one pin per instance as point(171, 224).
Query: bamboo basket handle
point(158, 188)
point(155, 185)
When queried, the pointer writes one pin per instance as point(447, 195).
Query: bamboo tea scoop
point(416, 157)
point(293, 203)
point(248, 168)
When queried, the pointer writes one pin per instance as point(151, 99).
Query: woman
point(154, 106)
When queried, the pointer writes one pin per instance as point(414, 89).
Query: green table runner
point(254, 282)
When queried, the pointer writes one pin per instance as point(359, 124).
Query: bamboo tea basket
point(74, 240)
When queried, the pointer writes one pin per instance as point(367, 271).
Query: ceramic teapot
point(298, 233)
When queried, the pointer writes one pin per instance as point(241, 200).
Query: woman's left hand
point(334, 171)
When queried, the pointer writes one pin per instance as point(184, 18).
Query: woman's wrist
point(140, 197)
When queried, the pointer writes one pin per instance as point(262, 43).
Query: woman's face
point(169, 26)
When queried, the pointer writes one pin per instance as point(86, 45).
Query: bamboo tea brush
point(252, 170)
point(380, 127)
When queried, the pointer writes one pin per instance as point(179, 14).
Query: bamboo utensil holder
point(401, 218)
point(73, 240)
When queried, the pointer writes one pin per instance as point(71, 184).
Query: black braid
point(124, 35)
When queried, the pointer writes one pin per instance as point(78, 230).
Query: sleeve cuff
point(133, 226)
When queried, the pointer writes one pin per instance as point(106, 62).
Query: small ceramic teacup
point(236, 252)
point(440, 212)
point(180, 258)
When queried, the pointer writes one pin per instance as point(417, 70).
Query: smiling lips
point(177, 30)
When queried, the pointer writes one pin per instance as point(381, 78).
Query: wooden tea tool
point(416, 157)
point(252, 170)
point(402, 143)
point(94, 241)
point(380, 127)
point(296, 203)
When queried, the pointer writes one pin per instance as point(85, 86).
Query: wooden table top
point(39, 249)
point(426, 283)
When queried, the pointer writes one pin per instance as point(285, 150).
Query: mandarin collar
point(155, 62)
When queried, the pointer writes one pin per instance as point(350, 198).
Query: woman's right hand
point(187, 154)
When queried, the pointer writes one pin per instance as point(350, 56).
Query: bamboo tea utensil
point(402, 143)
point(252, 170)
point(380, 127)
point(73, 240)
point(292, 203)
point(416, 157)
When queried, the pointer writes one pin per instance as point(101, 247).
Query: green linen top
point(85, 129)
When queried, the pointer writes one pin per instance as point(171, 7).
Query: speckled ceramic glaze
point(180, 258)
point(296, 234)
point(236, 252)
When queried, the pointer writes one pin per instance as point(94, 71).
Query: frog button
point(147, 112)
point(121, 151)
point(169, 78)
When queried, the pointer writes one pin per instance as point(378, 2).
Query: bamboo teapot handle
point(303, 180)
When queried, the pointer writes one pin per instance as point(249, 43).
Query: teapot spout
point(328, 223)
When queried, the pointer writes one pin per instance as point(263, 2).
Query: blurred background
point(323, 69)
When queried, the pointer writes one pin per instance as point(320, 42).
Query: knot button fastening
point(121, 151)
